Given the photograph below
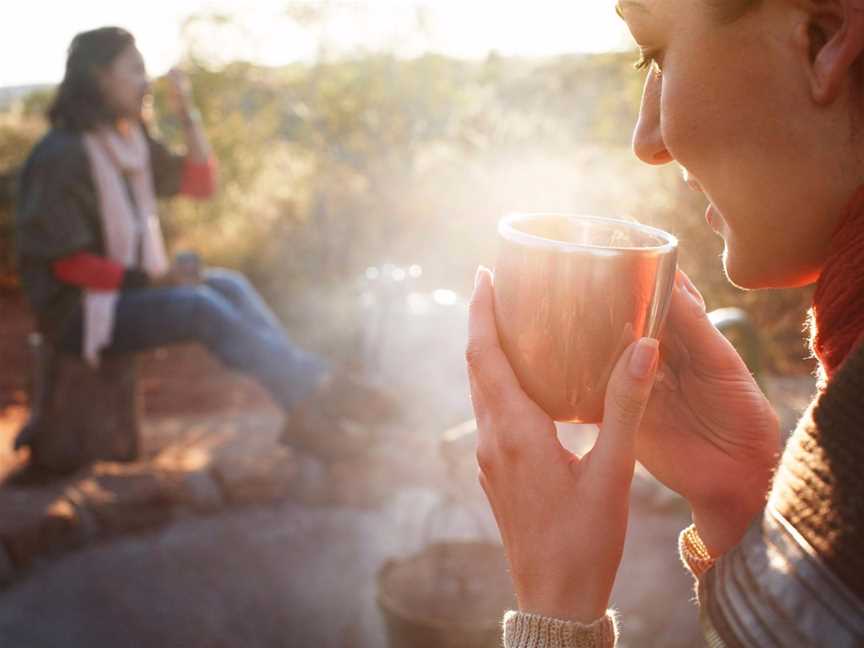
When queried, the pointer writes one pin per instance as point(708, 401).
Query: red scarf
point(837, 316)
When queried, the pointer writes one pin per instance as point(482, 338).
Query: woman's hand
point(562, 518)
point(708, 433)
point(179, 91)
point(185, 270)
point(180, 97)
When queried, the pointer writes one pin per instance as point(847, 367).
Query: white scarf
point(124, 229)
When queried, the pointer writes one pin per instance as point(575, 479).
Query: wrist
point(580, 606)
point(723, 516)
point(721, 524)
point(189, 115)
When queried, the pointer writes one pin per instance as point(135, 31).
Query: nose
point(648, 144)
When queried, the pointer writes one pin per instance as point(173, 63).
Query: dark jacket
point(58, 215)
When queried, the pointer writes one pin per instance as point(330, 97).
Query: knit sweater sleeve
point(97, 272)
point(522, 630)
point(199, 178)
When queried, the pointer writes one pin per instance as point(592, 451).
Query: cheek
point(698, 122)
point(116, 92)
point(130, 87)
point(131, 95)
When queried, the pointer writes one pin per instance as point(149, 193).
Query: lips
point(711, 214)
point(713, 218)
point(694, 185)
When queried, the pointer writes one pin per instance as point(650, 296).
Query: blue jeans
point(227, 316)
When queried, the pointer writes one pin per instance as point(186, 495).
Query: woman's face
point(124, 84)
point(732, 103)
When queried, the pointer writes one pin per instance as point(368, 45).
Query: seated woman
point(93, 260)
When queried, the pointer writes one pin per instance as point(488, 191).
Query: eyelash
point(648, 58)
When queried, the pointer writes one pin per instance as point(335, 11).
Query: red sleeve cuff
point(89, 271)
point(199, 178)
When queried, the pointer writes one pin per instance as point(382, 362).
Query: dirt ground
point(298, 570)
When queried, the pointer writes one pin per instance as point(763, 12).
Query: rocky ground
point(223, 538)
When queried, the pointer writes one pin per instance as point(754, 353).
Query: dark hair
point(79, 104)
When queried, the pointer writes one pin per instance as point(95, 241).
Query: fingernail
point(690, 291)
point(644, 358)
point(690, 299)
point(696, 299)
point(480, 270)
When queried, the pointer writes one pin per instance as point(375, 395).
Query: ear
point(834, 39)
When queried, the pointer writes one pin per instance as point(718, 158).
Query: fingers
point(666, 375)
point(627, 396)
point(687, 310)
point(689, 334)
point(511, 428)
point(178, 83)
point(686, 303)
point(685, 282)
point(493, 383)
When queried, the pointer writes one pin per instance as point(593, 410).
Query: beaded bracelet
point(694, 554)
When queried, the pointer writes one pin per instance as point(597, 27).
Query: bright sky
point(34, 37)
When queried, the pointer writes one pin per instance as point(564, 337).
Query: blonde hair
point(726, 11)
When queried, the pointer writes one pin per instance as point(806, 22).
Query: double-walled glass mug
point(571, 294)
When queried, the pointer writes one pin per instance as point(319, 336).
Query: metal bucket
point(450, 595)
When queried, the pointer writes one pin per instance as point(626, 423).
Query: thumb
point(627, 396)
point(690, 334)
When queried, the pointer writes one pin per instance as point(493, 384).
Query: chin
point(736, 277)
point(752, 275)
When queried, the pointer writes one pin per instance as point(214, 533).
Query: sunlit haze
point(34, 38)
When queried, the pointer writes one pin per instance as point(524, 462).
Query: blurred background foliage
point(329, 167)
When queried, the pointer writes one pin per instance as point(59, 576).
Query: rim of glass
point(507, 231)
